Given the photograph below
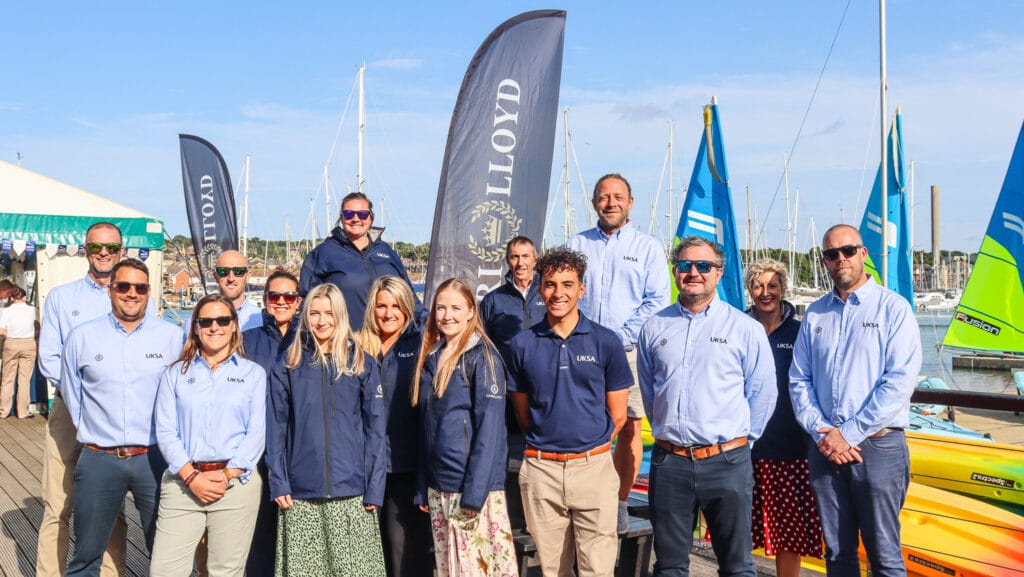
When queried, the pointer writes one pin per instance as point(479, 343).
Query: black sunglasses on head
point(848, 251)
point(703, 266)
point(122, 287)
point(207, 322)
point(222, 271)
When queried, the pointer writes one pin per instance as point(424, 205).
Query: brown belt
point(532, 453)
point(884, 432)
point(205, 466)
point(702, 452)
point(121, 452)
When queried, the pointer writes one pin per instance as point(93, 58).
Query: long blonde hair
point(342, 345)
point(369, 336)
point(192, 344)
point(431, 337)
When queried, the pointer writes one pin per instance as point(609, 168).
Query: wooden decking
point(21, 507)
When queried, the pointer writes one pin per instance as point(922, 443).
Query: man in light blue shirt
point(110, 373)
point(232, 274)
point(66, 307)
point(627, 282)
point(707, 374)
point(855, 366)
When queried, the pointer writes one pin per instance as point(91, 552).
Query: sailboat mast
point(245, 210)
point(567, 200)
point(750, 231)
point(327, 200)
point(884, 169)
point(362, 130)
point(789, 223)
point(796, 230)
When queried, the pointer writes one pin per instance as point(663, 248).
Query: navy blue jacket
point(325, 436)
point(505, 312)
point(263, 344)
point(397, 368)
point(462, 433)
point(336, 260)
point(783, 438)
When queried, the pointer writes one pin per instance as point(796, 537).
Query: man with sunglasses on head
point(353, 257)
point(66, 307)
point(232, 274)
point(707, 374)
point(110, 372)
point(626, 283)
point(855, 366)
point(263, 345)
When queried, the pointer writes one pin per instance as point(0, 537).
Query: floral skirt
point(477, 546)
point(785, 517)
point(336, 537)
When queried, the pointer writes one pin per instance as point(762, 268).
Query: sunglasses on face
point(350, 214)
point(703, 266)
point(288, 297)
point(97, 247)
point(122, 287)
point(848, 251)
point(207, 322)
point(222, 271)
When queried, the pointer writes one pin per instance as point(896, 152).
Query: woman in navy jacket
point(353, 257)
point(460, 388)
point(391, 336)
point(325, 447)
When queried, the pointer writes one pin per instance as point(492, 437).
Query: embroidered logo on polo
point(586, 359)
point(817, 330)
point(783, 346)
point(719, 340)
point(662, 342)
point(405, 355)
point(235, 380)
point(99, 357)
point(74, 313)
point(631, 258)
point(191, 380)
point(869, 325)
point(154, 355)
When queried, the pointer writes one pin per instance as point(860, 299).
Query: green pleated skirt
point(330, 537)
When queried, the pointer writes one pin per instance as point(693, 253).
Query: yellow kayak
point(979, 468)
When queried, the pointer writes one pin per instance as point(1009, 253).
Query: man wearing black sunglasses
point(855, 366)
point(707, 375)
point(110, 373)
point(65, 308)
point(232, 274)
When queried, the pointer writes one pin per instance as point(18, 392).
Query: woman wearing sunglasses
point(391, 336)
point(459, 386)
point(353, 257)
point(211, 428)
point(264, 344)
point(786, 522)
point(325, 447)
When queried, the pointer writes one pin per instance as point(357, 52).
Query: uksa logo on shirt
point(631, 258)
point(586, 359)
point(154, 355)
point(235, 380)
point(719, 340)
point(405, 355)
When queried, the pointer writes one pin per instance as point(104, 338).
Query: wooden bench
point(635, 548)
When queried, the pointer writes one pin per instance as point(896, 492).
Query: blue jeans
point(722, 487)
point(101, 483)
point(865, 499)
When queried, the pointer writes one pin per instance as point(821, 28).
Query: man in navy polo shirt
point(569, 380)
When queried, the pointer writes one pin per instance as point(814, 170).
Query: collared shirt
point(110, 378)
point(627, 279)
point(68, 306)
point(706, 378)
point(566, 381)
point(250, 316)
point(855, 363)
point(221, 415)
point(507, 310)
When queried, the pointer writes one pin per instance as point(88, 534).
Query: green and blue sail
point(707, 210)
point(900, 277)
point(990, 315)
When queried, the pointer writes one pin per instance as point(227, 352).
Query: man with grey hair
point(708, 381)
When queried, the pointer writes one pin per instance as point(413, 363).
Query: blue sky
point(94, 94)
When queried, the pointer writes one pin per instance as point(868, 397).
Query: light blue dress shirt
point(68, 306)
point(204, 415)
point(706, 378)
point(855, 364)
point(627, 279)
point(250, 316)
point(110, 378)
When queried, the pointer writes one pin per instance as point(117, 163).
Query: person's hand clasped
point(209, 486)
point(835, 448)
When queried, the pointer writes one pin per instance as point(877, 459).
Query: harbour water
point(936, 363)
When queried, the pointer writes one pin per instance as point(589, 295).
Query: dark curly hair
point(560, 259)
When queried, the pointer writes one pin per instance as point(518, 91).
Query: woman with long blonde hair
point(459, 386)
point(391, 336)
point(325, 447)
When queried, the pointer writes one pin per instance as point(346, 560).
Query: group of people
point(346, 429)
